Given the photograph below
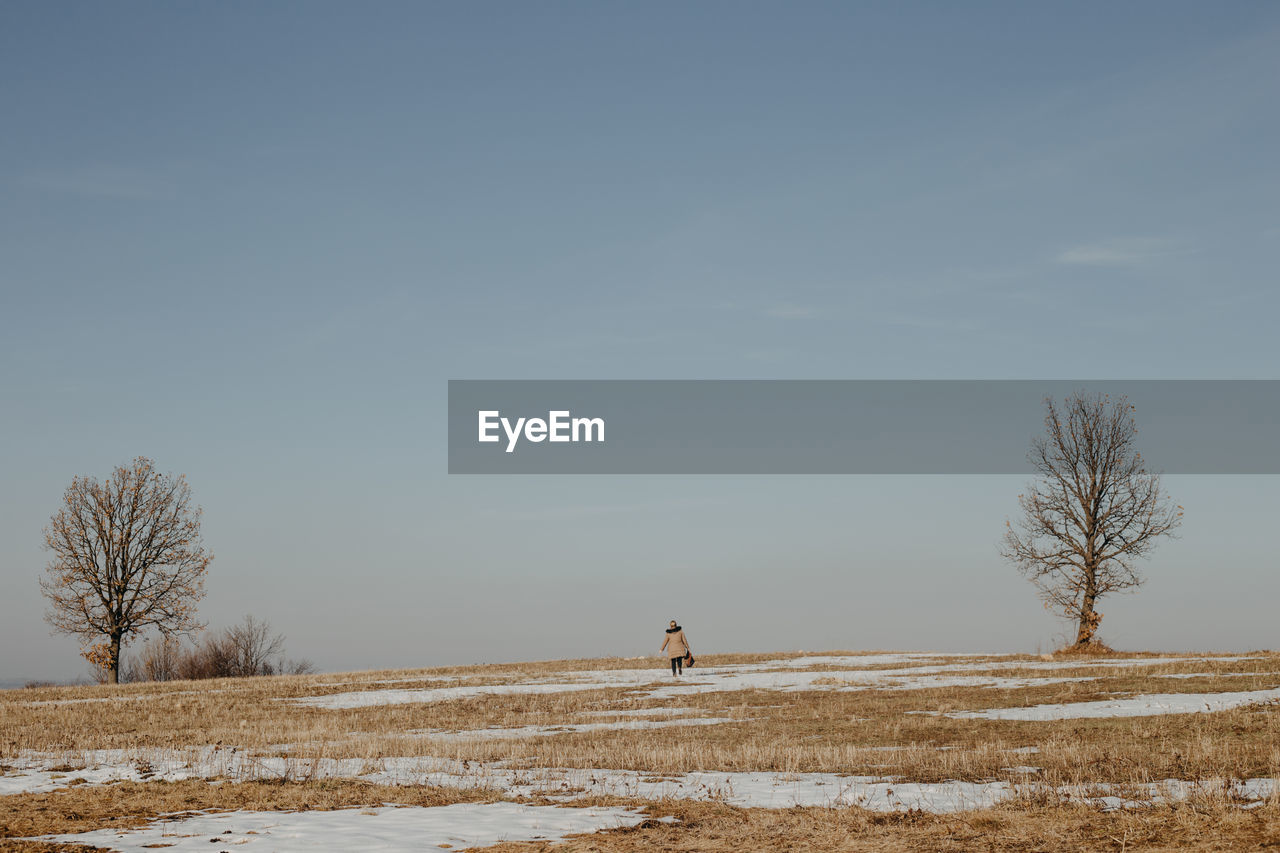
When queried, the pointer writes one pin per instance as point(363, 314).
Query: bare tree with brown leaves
point(127, 556)
point(1092, 514)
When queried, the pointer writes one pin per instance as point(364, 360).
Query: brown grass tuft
point(1092, 648)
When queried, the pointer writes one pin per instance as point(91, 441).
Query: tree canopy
point(1094, 511)
point(127, 556)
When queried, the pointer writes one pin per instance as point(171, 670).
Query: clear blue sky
point(254, 240)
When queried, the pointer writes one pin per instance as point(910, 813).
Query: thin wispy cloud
point(1123, 252)
point(100, 182)
point(788, 311)
point(921, 320)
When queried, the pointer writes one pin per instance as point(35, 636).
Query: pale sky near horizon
point(254, 241)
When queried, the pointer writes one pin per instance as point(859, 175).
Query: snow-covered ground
point(746, 789)
point(882, 671)
point(388, 829)
point(36, 772)
point(919, 673)
point(769, 790)
point(1135, 706)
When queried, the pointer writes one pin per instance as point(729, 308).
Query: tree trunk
point(113, 662)
point(1088, 618)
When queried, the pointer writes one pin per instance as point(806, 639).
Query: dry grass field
point(841, 751)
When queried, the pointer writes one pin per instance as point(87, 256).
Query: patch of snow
point(746, 789)
point(1137, 706)
point(387, 828)
point(1247, 792)
point(749, 790)
point(38, 773)
point(371, 698)
point(1211, 674)
point(763, 789)
point(782, 675)
point(388, 680)
point(36, 781)
point(709, 680)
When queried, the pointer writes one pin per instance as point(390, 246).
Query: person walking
point(676, 647)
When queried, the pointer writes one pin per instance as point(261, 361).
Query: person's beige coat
point(675, 645)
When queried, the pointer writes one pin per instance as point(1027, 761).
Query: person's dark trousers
point(677, 665)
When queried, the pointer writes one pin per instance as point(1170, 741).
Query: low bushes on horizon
point(248, 648)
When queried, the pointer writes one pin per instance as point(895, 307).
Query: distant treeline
point(246, 649)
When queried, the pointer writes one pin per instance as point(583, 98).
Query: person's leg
point(679, 662)
point(673, 665)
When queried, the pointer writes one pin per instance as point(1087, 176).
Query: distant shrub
point(158, 660)
point(248, 648)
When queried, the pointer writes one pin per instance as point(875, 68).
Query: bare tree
point(1092, 514)
point(210, 657)
point(296, 666)
point(127, 556)
point(253, 646)
point(159, 660)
